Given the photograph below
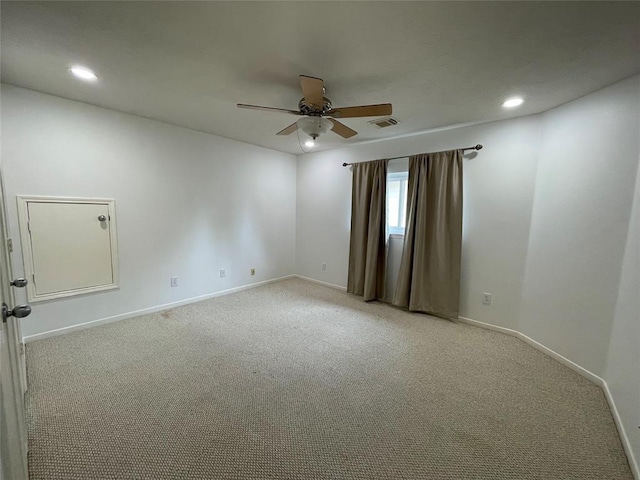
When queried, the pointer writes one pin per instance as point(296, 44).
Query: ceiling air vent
point(384, 122)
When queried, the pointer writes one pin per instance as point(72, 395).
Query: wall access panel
point(69, 245)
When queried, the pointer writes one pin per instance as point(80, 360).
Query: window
point(396, 202)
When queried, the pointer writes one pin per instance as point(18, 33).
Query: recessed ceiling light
point(513, 102)
point(83, 73)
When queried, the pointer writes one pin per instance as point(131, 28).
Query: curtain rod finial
point(478, 147)
point(345, 164)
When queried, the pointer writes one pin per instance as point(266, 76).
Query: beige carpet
point(297, 381)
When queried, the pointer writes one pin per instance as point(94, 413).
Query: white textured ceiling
point(439, 63)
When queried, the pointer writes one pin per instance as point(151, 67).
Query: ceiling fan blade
point(268, 109)
point(290, 129)
point(361, 111)
point(341, 129)
point(312, 90)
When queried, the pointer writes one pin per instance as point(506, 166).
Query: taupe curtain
point(367, 248)
point(429, 278)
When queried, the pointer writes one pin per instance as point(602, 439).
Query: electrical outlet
point(174, 281)
point(223, 273)
point(486, 299)
point(253, 271)
point(324, 266)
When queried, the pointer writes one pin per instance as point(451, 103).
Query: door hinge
point(22, 349)
point(9, 245)
point(33, 276)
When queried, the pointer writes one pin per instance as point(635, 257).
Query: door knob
point(102, 218)
point(19, 282)
point(19, 311)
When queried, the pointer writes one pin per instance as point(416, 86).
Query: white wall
point(547, 208)
point(581, 289)
point(584, 189)
point(622, 371)
point(498, 194)
point(187, 203)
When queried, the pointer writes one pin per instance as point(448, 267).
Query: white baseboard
point(320, 282)
point(556, 356)
point(633, 462)
point(577, 368)
point(146, 311)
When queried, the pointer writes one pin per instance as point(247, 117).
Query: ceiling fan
point(314, 106)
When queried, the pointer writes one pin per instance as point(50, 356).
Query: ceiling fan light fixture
point(314, 126)
point(310, 143)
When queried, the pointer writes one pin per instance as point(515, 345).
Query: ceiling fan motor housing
point(307, 109)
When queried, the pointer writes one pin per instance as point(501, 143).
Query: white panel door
point(70, 246)
point(13, 444)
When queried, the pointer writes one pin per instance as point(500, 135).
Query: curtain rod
point(476, 147)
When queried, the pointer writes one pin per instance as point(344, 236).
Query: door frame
point(13, 446)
